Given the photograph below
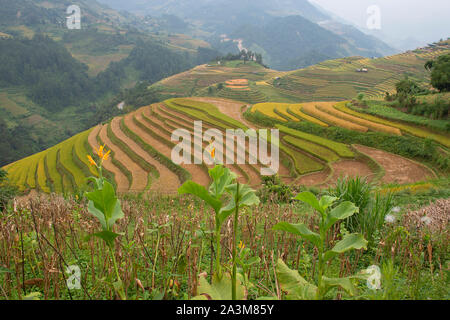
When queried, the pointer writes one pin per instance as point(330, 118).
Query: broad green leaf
point(344, 210)
point(252, 261)
point(327, 201)
point(195, 189)
point(97, 181)
point(98, 214)
point(222, 177)
point(246, 198)
point(220, 289)
point(103, 202)
point(226, 211)
point(310, 199)
point(299, 230)
point(344, 283)
point(296, 287)
point(117, 214)
point(350, 242)
point(108, 236)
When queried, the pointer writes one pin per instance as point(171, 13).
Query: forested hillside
point(56, 82)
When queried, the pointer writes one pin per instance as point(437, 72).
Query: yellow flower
point(241, 245)
point(100, 152)
point(91, 161)
point(106, 156)
point(213, 153)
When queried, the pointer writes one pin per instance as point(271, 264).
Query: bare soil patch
point(313, 179)
point(397, 169)
point(351, 169)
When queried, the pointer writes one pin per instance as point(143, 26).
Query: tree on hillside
point(440, 72)
point(407, 87)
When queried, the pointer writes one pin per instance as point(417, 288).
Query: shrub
point(273, 189)
point(7, 192)
point(356, 190)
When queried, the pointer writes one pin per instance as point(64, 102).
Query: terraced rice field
point(141, 147)
point(328, 108)
point(244, 94)
point(336, 80)
point(312, 148)
point(60, 168)
point(239, 84)
point(441, 138)
point(339, 148)
point(313, 109)
point(296, 111)
point(268, 109)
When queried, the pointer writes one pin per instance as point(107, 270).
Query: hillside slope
point(331, 80)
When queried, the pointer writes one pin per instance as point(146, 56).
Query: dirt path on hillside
point(122, 182)
point(168, 182)
point(198, 175)
point(139, 176)
point(228, 107)
point(397, 169)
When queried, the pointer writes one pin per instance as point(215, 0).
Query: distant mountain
point(294, 42)
point(269, 27)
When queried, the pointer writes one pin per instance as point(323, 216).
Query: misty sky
point(424, 20)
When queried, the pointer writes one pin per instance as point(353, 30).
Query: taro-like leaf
point(299, 230)
point(107, 236)
point(222, 177)
point(195, 189)
point(350, 242)
point(327, 201)
point(293, 284)
point(343, 211)
point(344, 283)
point(105, 206)
point(310, 199)
point(219, 289)
point(246, 198)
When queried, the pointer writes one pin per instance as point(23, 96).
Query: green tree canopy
point(440, 72)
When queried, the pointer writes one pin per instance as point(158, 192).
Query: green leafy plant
point(290, 280)
point(105, 206)
point(238, 196)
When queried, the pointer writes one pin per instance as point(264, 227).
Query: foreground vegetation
point(229, 245)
